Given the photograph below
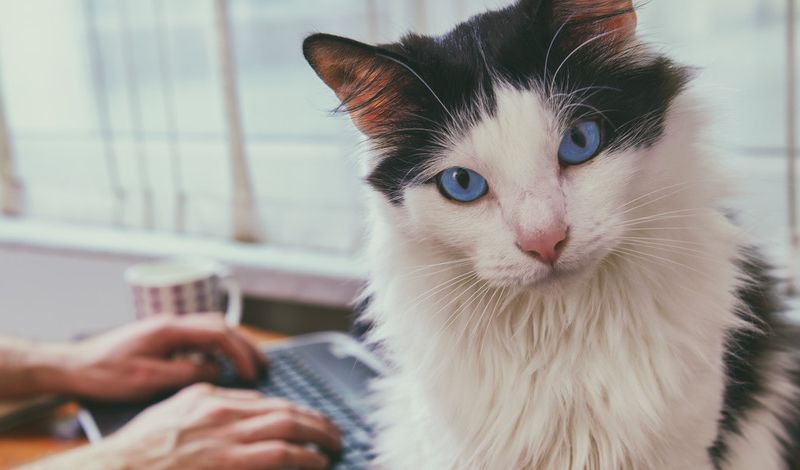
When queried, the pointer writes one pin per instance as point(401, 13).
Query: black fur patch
point(747, 354)
point(520, 46)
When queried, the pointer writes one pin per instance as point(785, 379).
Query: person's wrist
point(52, 368)
point(131, 449)
point(121, 454)
point(101, 456)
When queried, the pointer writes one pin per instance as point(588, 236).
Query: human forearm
point(29, 368)
point(90, 457)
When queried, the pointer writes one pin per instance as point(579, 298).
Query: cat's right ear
point(610, 23)
point(374, 85)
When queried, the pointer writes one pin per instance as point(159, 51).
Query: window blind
point(200, 117)
point(10, 185)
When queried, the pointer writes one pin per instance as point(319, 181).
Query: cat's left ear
point(610, 23)
point(376, 86)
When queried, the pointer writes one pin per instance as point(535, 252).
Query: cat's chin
point(555, 278)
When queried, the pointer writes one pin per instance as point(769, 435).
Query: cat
point(553, 277)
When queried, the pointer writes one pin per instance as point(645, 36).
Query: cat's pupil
point(578, 137)
point(462, 178)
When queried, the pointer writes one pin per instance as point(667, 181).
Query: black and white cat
point(552, 277)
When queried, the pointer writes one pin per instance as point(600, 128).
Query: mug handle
point(233, 316)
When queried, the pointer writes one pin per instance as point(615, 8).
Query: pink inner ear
point(371, 91)
point(370, 86)
point(589, 18)
point(373, 97)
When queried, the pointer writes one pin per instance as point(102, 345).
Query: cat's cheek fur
point(597, 195)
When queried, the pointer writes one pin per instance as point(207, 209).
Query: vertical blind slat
point(791, 140)
point(245, 215)
point(421, 15)
point(373, 27)
point(10, 183)
point(170, 114)
point(461, 9)
point(100, 94)
point(135, 106)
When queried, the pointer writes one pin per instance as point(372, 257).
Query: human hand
point(204, 427)
point(208, 427)
point(136, 361)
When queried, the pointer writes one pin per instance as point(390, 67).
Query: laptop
point(328, 371)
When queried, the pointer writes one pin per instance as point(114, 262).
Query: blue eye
point(581, 143)
point(462, 185)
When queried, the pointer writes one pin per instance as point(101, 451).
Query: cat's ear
point(374, 85)
point(611, 23)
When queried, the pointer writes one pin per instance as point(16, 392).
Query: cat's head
point(516, 140)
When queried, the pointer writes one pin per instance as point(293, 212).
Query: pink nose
point(545, 246)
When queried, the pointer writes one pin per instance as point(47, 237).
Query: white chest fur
point(624, 371)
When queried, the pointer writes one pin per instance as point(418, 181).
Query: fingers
point(254, 417)
point(179, 373)
point(290, 425)
point(218, 321)
point(237, 408)
point(277, 455)
point(204, 392)
point(257, 432)
point(242, 394)
point(210, 332)
point(261, 358)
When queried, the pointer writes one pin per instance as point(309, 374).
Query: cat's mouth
point(523, 272)
point(557, 275)
point(541, 277)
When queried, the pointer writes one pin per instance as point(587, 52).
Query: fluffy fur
point(654, 342)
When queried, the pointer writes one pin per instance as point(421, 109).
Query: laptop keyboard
point(292, 378)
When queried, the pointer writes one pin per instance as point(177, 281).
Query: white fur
point(615, 361)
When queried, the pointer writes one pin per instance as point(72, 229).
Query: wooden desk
point(59, 431)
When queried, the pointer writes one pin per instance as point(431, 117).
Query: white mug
point(184, 285)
